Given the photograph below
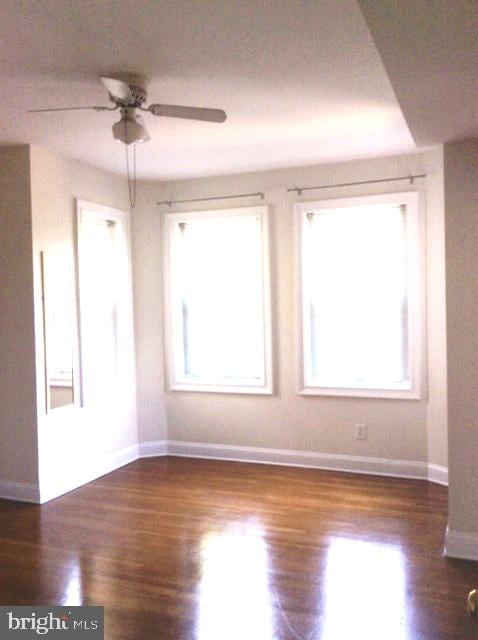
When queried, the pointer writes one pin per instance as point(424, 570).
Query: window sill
point(215, 388)
point(61, 382)
point(390, 394)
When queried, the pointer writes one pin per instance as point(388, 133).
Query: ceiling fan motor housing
point(138, 85)
point(139, 95)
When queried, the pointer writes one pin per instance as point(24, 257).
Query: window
point(107, 358)
point(218, 301)
point(360, 299)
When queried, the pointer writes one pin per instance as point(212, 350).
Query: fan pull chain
point(131, 183)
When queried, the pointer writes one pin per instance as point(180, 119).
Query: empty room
point(239, 319)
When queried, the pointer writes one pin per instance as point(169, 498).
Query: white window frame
point(173, 323)
point(126, 375)
point(415, 288)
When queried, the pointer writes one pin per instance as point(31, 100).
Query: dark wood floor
point(176, 548)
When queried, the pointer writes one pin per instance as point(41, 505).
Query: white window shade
point(99, 299)
point(218, 294)
point(359, 302)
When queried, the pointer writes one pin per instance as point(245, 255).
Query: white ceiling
point(300, 80)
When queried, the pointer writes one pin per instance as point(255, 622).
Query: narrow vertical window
point(106, 331)
point(359, 296)
point(218, 301)
point(99, 304)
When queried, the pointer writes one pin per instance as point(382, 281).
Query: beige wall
point(436, 310)
point(461, 206)
point(74, 442)
point(397, 429)
point(18, 443)
point(147, 287)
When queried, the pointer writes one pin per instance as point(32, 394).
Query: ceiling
point(302, 81)
point(431, 56)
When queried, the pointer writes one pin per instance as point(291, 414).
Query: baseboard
point(461, 544)
point(153, 448)
point(326, 461)
point(19, 491)
point(438, 474)
point(55, 486)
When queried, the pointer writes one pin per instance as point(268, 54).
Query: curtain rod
point(351, 184)
point(259, 194)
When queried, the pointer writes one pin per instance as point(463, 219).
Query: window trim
point(177, 382)
point(415, 287)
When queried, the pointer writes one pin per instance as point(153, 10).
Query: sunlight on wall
point(234, 594)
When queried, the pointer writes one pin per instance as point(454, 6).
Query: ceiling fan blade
point(189, 113)
point(118, 89)
point(72, 109)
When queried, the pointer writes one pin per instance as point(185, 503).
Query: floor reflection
point(72, 591)
point(234, 594)
point(365, 588)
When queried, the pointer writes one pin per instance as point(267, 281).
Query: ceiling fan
point(128, 92)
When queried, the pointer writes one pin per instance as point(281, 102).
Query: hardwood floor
point(179, 548)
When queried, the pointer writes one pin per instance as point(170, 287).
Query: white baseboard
point(20, 491)
point(461, 544)
point(53, 486)
point(326, 461)
point(438, 474)
point(153, 448)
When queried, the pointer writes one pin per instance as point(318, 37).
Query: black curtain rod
point(352, 184)
point(259, 194)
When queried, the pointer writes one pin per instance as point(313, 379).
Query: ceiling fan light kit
point(129, 92)
point(130, 128)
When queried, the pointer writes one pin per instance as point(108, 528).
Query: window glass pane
point(355, 302)
point(219, 264)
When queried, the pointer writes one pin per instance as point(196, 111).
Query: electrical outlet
point(360, 432)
